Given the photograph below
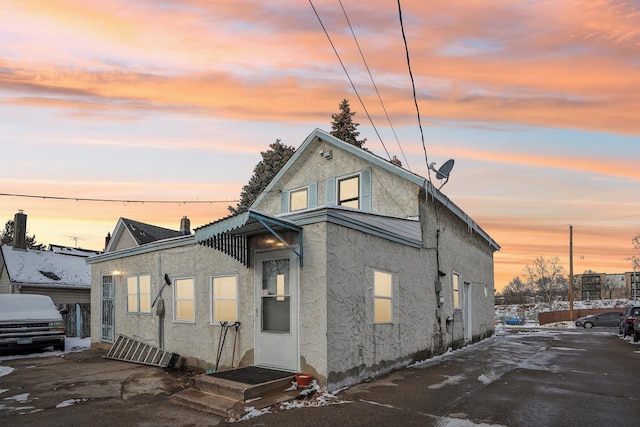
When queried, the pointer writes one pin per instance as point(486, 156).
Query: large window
point(184, 302)
point(224, 299)
point(299, 199)
point(349, 192)
point(383, 297)
point(139, 293)
point(456, 290)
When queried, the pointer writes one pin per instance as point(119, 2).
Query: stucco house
point(346, 267)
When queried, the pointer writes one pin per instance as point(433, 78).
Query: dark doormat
point(252, 375)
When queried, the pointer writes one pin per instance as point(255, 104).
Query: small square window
point(298, 199)
point(139, 293)
point(349, 192)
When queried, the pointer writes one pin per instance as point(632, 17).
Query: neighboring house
point(590, 286)
point(61, 273)
point(346, 267)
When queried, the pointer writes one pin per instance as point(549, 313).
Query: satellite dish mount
point(443, 172)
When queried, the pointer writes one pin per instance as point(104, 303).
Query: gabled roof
point(364, 154)
point(383, 164)
point(140, 232)
point(46, 268)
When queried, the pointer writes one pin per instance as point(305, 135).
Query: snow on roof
point(66, 250)
point(46, 268)
point(21, 307)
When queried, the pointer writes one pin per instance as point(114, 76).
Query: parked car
point(30, 322)
point(514, 321)
point(606, 319)
point(626, 320)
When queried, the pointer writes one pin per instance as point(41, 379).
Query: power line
point(83, 199)
point(374, 84)
point(413, 86)
point(349, 78)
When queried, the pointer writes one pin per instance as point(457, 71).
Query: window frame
point(358, 198)
point(456, 292)
point(383, 297)
point(304, 189)
point(176, 282)
point(212, 298)
point(138, 294)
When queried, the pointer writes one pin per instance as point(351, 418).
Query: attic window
point(50, 275)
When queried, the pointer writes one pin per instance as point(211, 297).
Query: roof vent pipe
point(20, 231)
point(185, 226)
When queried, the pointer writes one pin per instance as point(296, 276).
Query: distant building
point(591, 286)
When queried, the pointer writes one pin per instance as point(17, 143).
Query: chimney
point(185, 226)
point(20, 231)
point(107, 239)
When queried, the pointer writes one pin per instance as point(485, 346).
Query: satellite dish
point(443, 172)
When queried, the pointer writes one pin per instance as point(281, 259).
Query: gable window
point(184, 303)
point(224, 299)
point(299, 199)
point(382, 297)
point(455, 278)
point(349, 192)
point(139, 293)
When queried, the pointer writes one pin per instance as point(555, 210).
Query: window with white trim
point(224, 299)
point(382, 297)
point(184, 301)
point(455, 279)
point(349, 192)
point(299, 199)
point(139, 293)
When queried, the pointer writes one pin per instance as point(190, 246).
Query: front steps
point(231, 399)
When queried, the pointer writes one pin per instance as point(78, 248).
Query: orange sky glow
point(538, 102)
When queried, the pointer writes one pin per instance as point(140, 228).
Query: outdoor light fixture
point(326, 154)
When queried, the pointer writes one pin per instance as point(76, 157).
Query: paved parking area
point(530, 378)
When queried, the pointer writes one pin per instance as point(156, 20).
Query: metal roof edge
point(174, 242)
point(334, 216)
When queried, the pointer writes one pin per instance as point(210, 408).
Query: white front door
point(276, 284)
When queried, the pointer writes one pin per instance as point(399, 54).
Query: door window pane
point(276, 296)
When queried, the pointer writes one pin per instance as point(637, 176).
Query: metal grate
point(130, 350)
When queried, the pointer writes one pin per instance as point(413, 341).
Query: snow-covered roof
point(27, 308)
point(67, 250)
point(46, 268)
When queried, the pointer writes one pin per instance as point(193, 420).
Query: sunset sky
point(538, 102)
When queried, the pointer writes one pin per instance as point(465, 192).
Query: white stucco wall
point(197, 340)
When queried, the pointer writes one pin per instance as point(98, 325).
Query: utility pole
point(571, 272)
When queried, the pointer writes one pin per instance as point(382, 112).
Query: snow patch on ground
point(20, 398)
point(5, 370)
point(449, 381)
point(69, 402)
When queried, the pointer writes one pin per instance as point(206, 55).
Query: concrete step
point(231, 399)
point(241, 391)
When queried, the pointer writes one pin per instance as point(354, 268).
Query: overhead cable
point(83, 199)
point(374, 85)
point(349, 78)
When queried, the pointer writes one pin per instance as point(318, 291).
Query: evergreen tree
point(6, 237)
point(272, 161)
point(343, 127)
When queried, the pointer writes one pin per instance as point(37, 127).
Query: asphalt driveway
point(534, 378)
